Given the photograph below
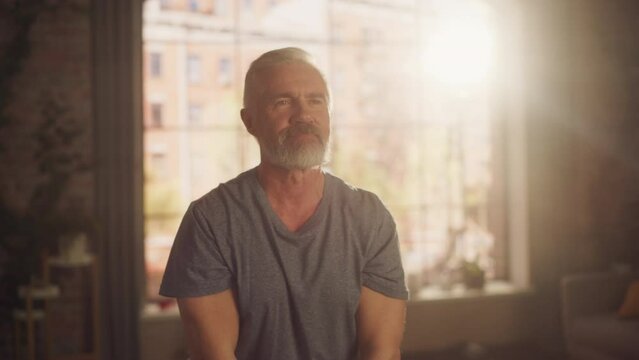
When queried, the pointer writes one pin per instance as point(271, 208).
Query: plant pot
point(72, 248)
point(474, 280)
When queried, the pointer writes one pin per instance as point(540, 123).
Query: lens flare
point(458, 48)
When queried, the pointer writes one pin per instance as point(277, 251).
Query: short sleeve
point(383, 271)
point(196, 266)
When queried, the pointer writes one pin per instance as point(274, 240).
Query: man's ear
point(247, 119)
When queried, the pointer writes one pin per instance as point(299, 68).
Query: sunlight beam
point(458, 48)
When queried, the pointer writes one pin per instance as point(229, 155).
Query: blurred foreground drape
point(117, 79)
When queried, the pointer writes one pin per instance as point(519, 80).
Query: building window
point(159, 166)
point(370, 35)
point(221, 7)
point(225, 74)
point(194, 5)
point(155, 64)
point(195, 114)
point(156, 115)
point(193, 69)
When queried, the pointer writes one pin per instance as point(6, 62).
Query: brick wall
point(53, 84)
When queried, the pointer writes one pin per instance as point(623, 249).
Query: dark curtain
point(117, 80)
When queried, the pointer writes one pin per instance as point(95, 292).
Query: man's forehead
point(291, 73)
point(289, 65)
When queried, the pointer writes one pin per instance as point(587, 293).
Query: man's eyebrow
point(313, 95)
point(281, 95)
point(316, 95)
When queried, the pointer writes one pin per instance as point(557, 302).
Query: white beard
point(289, 155)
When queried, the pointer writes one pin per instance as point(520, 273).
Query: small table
point(29, 315)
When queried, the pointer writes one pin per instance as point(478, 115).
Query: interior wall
point(582, 144)
point(45, 81)
point(430, 325)
point(52, 80)
point(605, 69)
point(490, 321)
point(550, 156)
point(162, 337)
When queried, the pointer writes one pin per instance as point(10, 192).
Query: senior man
point(287, 261)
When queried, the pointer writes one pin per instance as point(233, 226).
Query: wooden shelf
point(22, 315)
point(26, 318)
point(39, 292)
point(71, 263)
point(85, 356)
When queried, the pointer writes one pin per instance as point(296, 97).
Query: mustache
point(299, 129)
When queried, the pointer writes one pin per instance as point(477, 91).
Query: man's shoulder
point(231, 191)
point(352, 195)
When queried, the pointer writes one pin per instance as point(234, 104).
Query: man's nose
point(302, 112)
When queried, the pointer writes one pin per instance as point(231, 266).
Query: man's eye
point(281, 102)
point(316, 101)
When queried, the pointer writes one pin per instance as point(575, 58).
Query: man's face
point(290, 116)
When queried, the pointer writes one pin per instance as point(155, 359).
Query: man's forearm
point(379, 355)
point(212, 356)
point(202, 349)
point(211, 325)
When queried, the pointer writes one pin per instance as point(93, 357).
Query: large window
point(414, 117)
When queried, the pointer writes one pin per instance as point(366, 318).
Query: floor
point(478, 352)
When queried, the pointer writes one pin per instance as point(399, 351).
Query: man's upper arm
point(198, 264)
point(383, 271)
point(380, 325)
point(211, 325)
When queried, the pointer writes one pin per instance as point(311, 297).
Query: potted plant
point(32, 233)
point(473, 276)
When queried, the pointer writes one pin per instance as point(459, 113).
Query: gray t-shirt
point(298, 292)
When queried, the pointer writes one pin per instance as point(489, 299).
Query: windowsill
point(152, 311)
point(458, 292)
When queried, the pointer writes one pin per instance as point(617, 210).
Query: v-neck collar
point(309, 228)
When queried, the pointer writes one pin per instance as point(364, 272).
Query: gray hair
point(272, 58)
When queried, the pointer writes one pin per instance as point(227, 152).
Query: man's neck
point(291, 184)
point(293, 194)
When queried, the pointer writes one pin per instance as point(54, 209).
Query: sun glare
point(458, 48)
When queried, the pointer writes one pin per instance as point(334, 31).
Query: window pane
point(193, 69)
point(193, 5)
point(156, 64)
point(195, 114)
point(221, 7)
point(156, 115)
point(225, 75)
point(408, 123)
point(197, 162)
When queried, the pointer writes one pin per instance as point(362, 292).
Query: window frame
point(514, 252)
